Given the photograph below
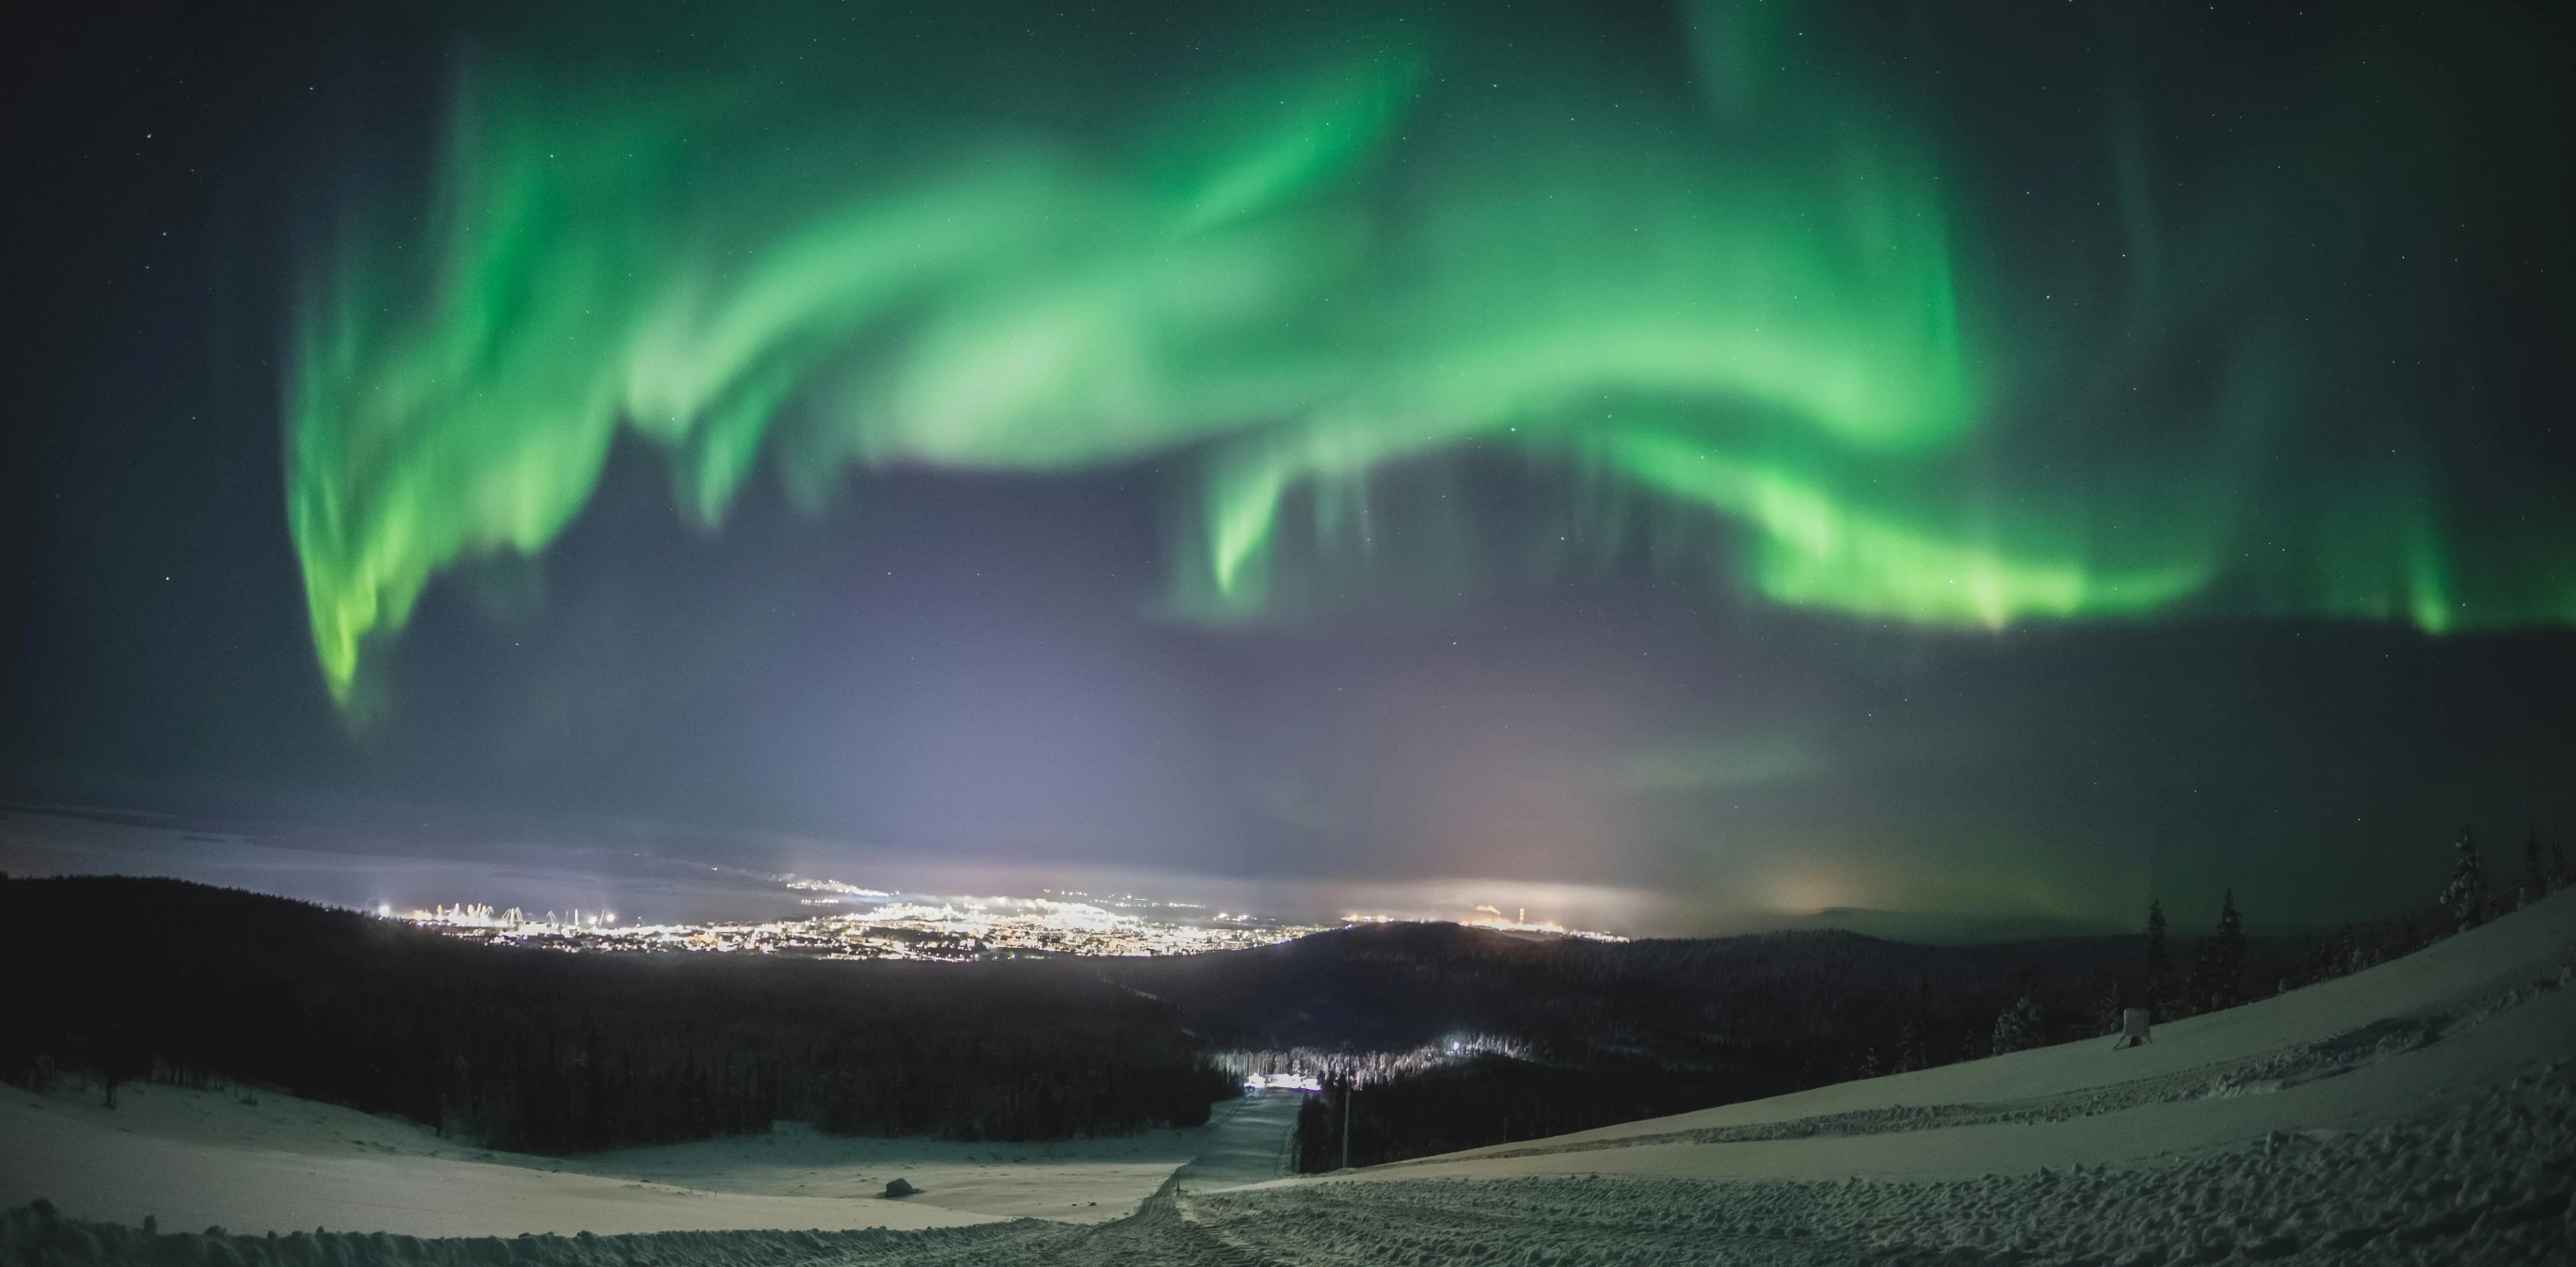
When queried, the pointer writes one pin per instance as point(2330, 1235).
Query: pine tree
point(2467, 898)
point(2535, 876)
point(2107, 1008)
point(2017, 1027)
point(2218, 974)
point(2559, 876)
point(2159, 960)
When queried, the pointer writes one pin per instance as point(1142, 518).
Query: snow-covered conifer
point(2467, 897)
point(2017, 1028)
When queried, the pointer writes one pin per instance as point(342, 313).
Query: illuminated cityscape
point(889, 926)
point(883, 925)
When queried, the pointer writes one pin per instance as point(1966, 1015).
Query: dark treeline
point(1613, 1033)
point(1753, 1015)
point(1610, 1032)
point(1486, 1099)
point(550, 1052)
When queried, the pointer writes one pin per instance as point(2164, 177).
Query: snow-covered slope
point(267, 1162)
point(300, 1165)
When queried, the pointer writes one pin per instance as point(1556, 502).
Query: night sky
point(1998, 460)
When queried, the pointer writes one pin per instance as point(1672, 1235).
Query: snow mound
point(37, 1234)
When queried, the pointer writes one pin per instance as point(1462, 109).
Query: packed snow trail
point(1155, 1233)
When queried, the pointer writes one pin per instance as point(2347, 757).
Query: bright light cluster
point(896, 927)
point(1493, 921)
point(918, 926)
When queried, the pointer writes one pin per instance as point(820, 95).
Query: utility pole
point(1347, 1086)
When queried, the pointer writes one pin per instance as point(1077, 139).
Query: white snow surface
point(2423, 1111)
point(260, 1162)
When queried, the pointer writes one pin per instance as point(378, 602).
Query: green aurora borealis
point(1763, 298)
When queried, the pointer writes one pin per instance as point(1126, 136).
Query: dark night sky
point(985, 650)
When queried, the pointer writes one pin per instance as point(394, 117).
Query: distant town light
point(923, 927)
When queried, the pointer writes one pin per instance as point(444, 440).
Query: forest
point(546, 1052)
